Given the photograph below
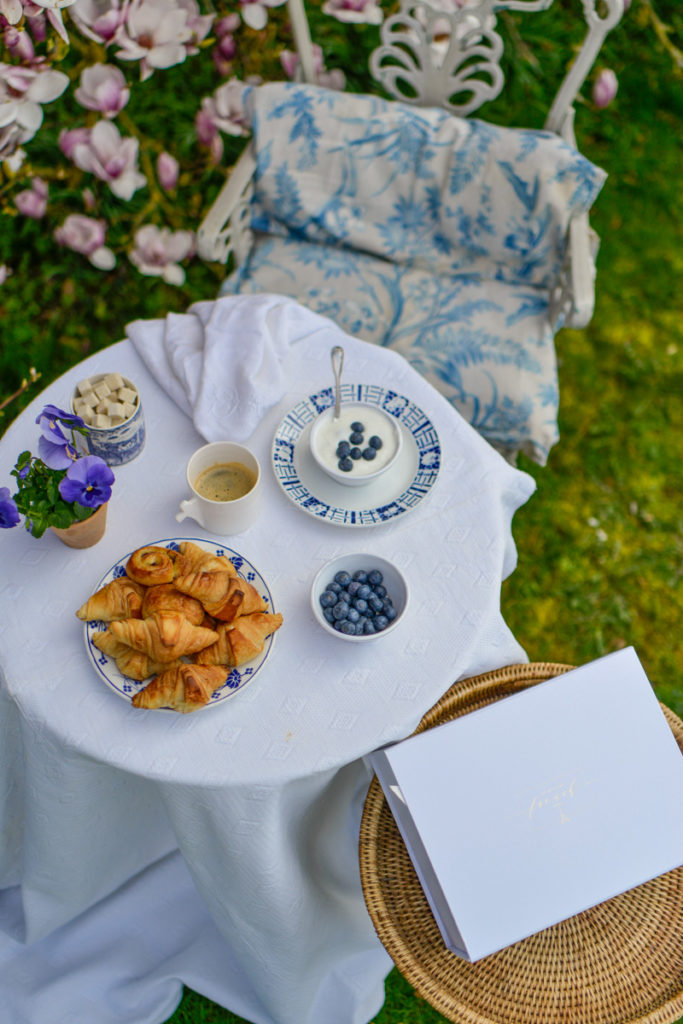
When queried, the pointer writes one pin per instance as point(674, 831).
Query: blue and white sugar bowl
point(110, 406)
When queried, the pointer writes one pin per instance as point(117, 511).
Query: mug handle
point(189, 508)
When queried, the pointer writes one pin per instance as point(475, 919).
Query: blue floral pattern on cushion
point(436, 236)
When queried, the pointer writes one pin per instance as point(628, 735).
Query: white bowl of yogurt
point(359, 446)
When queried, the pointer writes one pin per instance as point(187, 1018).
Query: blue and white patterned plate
point(107, 668)
point(393, 494)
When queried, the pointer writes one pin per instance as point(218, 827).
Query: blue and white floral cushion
point(436, 236)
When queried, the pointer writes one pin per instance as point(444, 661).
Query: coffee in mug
point(226, 481)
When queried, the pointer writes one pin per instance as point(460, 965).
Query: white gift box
point(523, 813)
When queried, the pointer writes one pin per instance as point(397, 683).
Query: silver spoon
point(337, 365)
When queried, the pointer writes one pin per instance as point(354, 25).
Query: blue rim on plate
point(125, 687)
point(396, 492)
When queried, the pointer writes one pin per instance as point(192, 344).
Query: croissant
point(240, 641)
point(165, 636)
point(129, 662)
point(120, 599)
point(151, 565)
point(222, 595)
point(192, 558)
point(184, 688)
point(166, 598)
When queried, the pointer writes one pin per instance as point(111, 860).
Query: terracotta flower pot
point(85, 533)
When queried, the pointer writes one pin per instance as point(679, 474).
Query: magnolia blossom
point(335, 79)
point(22, 91)
point(198, 24)
point(167, 171)
point(32, 202)
point(103, 87)
point(111, 158)
point(53, 9)
point(158, 251)
point(86, 235)
point(99, 20)
point(224, 111)
point(11, 10)
point(605, 88)
point(157, 33)
point(19, 44)
point(70, 138)
point(5, 272)
point(255, 12)
point(366, 11)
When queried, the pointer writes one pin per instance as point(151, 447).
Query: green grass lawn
point(601, 542)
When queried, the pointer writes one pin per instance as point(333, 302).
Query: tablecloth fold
point(222, 361)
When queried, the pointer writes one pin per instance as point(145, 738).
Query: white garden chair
point(462, 245)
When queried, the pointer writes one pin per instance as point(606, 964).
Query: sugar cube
point(128, 410)
point(102, 389)
point(84, 386)
point(114, 381)
point(89, 398)
point(127, 395)
point(116, 409)
point(102, 407)
point(101, 420)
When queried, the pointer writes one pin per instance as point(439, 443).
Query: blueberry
point(334, 587)
point(357, 426)
point(340, 610)
point(348, 628)
point(328, 598)
point(381, 621)
point(390, 613)
point(364, 591)
point(360, 605)
point(375, 603)
point(375, 441)
point(353, 587)
point(343, 448)
point(369, 627)
point(356, 437)
point(360, 576)
point(375, 577)
point(368, 454)
point(355, 453)
point(387, 603)
point(380, 590)
point(353, 615)
point(343, 578)
point(345, 464)
point(359, 629)
point(329, 615)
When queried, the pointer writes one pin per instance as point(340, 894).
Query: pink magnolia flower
point(69, 138)
point(605, 88)
point(86, 235)
point(157, 33)
point(167, 171)
point(22, 91)
point(158, 251)
point(224, 110)
point(198, 24)
point(255, 12)
point(11, 10)
point(103, 87)
point(19, 44)
point(32, 202)
point(99, 20)
point(5, 272)
point(335, 79)
point(53, 10)
point(111, 158)
point(358, 11)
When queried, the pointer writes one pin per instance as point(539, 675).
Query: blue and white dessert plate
point(402, 488)
point(125, 687)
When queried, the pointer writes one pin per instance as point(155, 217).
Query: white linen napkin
point(221, 362)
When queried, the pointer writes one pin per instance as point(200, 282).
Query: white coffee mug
point(223, 515)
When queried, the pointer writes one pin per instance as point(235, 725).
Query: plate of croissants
point(179, 624)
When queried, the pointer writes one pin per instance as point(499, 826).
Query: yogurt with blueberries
point(362, 441)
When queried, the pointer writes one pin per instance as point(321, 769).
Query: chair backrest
point(451, 58)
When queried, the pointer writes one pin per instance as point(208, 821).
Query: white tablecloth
point(143, 850)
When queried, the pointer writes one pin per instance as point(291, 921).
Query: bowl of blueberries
point(359, 597)
point(356, 447)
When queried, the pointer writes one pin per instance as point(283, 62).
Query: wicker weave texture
point(620, 962)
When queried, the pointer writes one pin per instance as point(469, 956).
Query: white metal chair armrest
point(225, 228)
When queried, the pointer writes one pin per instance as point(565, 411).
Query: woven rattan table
point(620, 962)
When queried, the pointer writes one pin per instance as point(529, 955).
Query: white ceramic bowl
point(392, 578)
point(327, 432)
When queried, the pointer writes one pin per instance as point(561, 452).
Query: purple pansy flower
point(56, 454)
point(9, 514)
point(53, 412)
point(88, 482)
